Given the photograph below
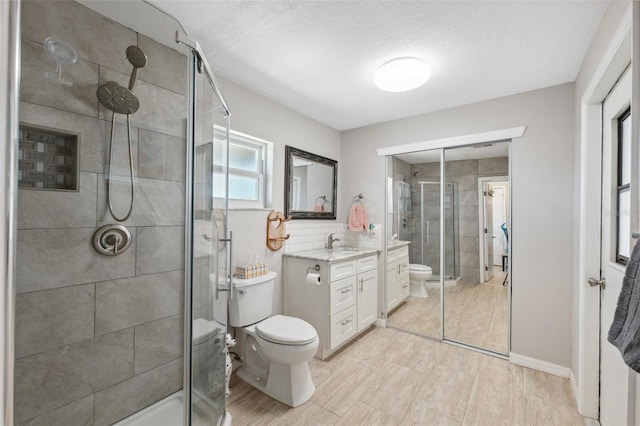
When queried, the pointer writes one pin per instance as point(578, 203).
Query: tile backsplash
point(313, 235)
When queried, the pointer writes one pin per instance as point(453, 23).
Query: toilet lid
point(418, 267)
point(203, 330)
point(286, 330)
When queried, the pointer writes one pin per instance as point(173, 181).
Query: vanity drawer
point(403, 251)
point(343, 326)
point(343, 294)
point(342, 270)
point(368, 263)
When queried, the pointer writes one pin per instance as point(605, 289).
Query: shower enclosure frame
point(455, 234)
point(10, 94)
point(197, 58)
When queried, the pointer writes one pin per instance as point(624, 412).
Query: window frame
point(620, 186)
point(265, 176)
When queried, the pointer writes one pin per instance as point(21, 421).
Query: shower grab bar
point(230, 241)
point(427, 232)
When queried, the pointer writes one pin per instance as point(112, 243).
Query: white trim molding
point(540, 365)
point(614, 61)
point(472, 139)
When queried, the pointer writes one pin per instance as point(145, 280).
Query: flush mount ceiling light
point(402, 74)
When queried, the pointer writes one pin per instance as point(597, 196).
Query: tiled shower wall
point(98, 337)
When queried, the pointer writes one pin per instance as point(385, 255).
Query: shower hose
point(113, 130)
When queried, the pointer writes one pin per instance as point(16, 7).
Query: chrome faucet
point(331, 240)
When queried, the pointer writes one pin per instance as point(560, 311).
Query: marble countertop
point(396, 244)
point(336, 254)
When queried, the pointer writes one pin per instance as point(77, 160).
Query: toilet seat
point(286, 330)
point(420, 268)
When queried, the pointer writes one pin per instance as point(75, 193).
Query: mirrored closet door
point(448, 216)
point(414, 181)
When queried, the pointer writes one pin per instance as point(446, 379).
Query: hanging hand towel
point(358, 218)
point(624, 333)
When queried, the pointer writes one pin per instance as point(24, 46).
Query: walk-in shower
point(114, 333)
point(425, 241)
point(417, 216)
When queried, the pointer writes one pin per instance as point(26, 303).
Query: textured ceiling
point(319, 57)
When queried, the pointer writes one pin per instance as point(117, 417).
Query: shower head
point(136, 56)
point(138, 59)
point(117, 98)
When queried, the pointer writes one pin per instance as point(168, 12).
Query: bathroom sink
point(344, 249)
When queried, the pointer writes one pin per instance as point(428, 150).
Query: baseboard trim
point(540, 365)
point(574, 384)
point(382, 323)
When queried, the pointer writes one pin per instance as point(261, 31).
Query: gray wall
point(260, 117)
point(97, 337)
point(543, 158)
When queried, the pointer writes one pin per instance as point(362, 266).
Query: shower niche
point(47, 159)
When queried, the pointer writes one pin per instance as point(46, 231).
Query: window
point(623, 219)
point(250, 170)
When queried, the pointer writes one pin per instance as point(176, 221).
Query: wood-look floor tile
point(498, 392)
point(414, 352)
point(390, 377)
point(457, 358)
point(424, 413)
point(395, 390)
point(249, 406)
point(371, 350)
point(478, 417)
point(542, 413)
point(363, 414)
point(344, 386)
point(475, 314)
point(319, 371)
point(305, 414)
point(448, 390)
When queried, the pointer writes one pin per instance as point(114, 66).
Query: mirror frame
point(288, 187)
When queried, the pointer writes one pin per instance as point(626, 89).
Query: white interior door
point(499, 217)
point(488, 231)
point(617, 381)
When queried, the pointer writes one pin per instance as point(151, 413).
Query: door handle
point(230, 276)
point(594, 282)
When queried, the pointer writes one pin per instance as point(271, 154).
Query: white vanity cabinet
point(397, 276)
point(342, 306)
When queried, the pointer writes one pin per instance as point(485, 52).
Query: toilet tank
point(252, 300)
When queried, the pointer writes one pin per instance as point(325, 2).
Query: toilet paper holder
point(313, 268)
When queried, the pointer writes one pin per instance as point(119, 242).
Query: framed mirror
point(310, 185)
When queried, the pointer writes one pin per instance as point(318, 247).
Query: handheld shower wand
point(121, 100)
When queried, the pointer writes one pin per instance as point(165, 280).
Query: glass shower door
point(211, 253)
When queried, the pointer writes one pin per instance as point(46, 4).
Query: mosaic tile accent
point(47, 159)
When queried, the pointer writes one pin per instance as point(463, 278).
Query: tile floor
point(388, 377)
point(475, 314)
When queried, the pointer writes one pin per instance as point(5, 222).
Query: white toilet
point(277, 349)
point(418, 276)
